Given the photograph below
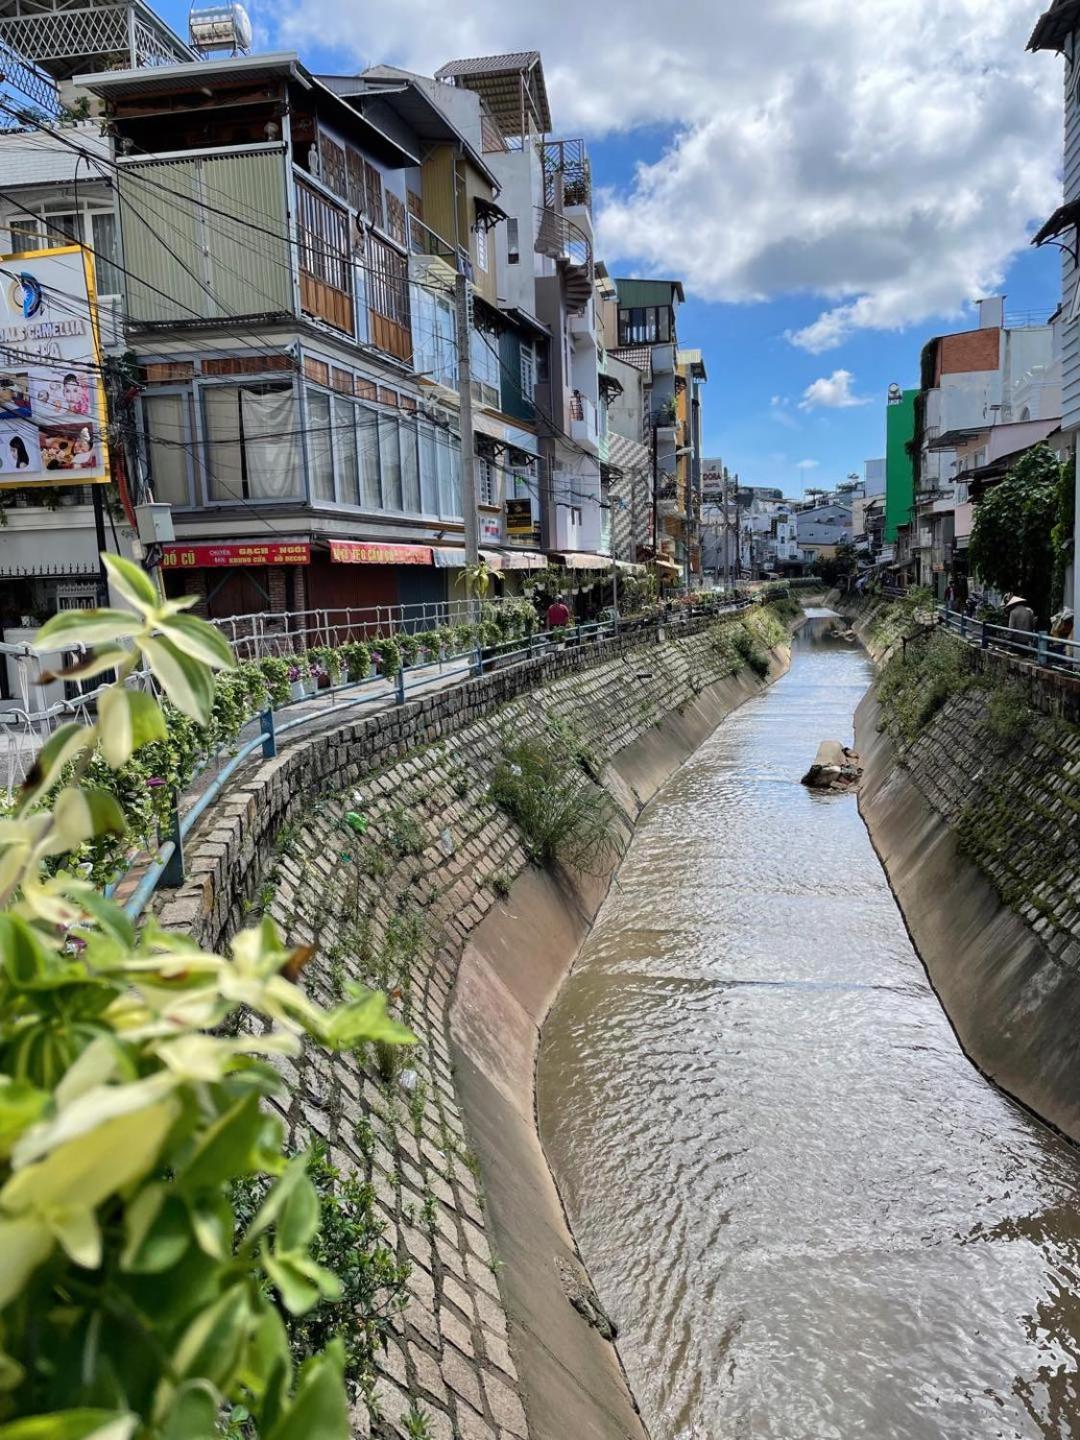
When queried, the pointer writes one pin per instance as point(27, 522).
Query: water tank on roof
point(220, 29)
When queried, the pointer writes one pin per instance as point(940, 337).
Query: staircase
point(567, 244)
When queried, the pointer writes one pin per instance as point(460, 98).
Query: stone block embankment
point(976, 817)
point(429, 894)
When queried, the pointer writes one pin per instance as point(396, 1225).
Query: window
point(448, 466)
point(481, 247)
point(107, 253)
point(354, 171)
point(388, 293)
point(390, 462)
point(23, 236)
point(486, 369)
point(373, 194)
point(332, 158)
point(410, 466)
point(487, 488)
point(252, 447)
point(63, 229)
point(434, 348)
point(320, 446)
point(528, 370)
point(367, 435)
point(345, 450)
point(395, 219)
point(167, 441)
point(646, 325)
point(429, 475)
point(513, 250)
point(324, 239)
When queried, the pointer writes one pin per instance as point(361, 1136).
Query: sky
point(834, 183)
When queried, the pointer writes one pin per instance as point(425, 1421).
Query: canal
point(808, 1213)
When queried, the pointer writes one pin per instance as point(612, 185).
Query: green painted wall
point(899, 467)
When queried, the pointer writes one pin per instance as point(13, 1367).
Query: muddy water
point(808, 1213)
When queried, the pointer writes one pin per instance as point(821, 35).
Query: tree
point(1012, 539)
point(834, 569)
point(134, 1299)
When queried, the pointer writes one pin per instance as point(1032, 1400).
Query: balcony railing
point(567, 174)
point(425, 241)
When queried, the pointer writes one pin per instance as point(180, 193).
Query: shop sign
point(369, 552)
point(216, 557)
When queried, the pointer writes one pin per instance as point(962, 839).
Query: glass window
point(410, 467)
point(252, 446)
point(481, 247)
point(167, 440)
point(320, 447)
point(513, 252)
point(447, 460)
point(64, 229)
point(486, 487)
point(429, 475)
point(106, 253)
point(367, 434)
point(24, 236)
point(390, 462)
point(528, 371)
point(345, 449)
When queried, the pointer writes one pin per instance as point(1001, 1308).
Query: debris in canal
point(835, 767)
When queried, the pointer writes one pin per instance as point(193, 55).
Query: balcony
point(567, 174)
point(584, 422)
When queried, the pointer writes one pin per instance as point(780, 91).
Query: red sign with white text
point(214, 557)
point(370, 552)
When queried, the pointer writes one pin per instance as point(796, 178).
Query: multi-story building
point(1058, 29)
point(822, 528)
point(973, 382)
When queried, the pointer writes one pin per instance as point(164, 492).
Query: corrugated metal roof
point(498, 79)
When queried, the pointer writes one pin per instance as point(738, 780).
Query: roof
point(1055, 26)
point(640, 356)
point(410, 97)
point(499, 80)
point(1063, 218)
point(280, 65)
point(637, 294)
point(952, 438)
point(525, 319)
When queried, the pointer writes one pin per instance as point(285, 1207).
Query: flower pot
point(297, 689)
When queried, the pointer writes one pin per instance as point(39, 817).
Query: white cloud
point(884, 158)
point(807, 464)
point(832, 392)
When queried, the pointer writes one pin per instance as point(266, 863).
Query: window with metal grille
point(528, 371)
point(324, 239)
point(487, 488)
point(374, 194)
point(388, 282)
point(395, 218)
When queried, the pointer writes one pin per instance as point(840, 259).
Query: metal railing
point(164, 864)
point(261, 634)
point(1049, 652)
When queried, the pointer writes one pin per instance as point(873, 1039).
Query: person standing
point(558, 616)
point(1021, 615)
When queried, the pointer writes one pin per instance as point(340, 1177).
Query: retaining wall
point(437, 902)
point(980, 838)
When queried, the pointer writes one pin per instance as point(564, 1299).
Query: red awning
point(228, 556)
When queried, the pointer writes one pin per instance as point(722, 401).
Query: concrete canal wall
point(437, 901)
point(976, 818)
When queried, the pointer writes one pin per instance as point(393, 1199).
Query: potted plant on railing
point(298, 678)
point(409, 648)
point(386, 655)
point(324, 664)
point(357, 658)
point(275, 669)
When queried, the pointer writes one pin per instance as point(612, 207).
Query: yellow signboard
point(52, 400)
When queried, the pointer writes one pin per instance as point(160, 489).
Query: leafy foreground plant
point(132, 1303)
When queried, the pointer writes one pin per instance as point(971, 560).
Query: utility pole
point(468, 452)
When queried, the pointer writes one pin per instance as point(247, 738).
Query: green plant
point(134, 1300)
point(501, 882)
point(1013, 535)
point(275, 671)
point(918, 680)
point(357, 658)
point(417, 1423)
point(1009, 713)
point(751, 651)
point(403, 832)
point(386, 653)
point(325, 660)
point(561, 814)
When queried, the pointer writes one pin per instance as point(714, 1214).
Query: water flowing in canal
point(808, 1213)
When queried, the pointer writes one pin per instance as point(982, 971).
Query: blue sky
point(834, 184)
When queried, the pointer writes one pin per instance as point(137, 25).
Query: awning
point(1065, 217)
point(667, 569)
point(573, 560)
point(523, 560)
point(628, 567)
point(375, 552)
point(452, 557)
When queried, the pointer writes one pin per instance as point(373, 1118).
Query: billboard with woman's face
point(52, 402)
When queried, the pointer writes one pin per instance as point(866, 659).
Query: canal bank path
point(808, 1213)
